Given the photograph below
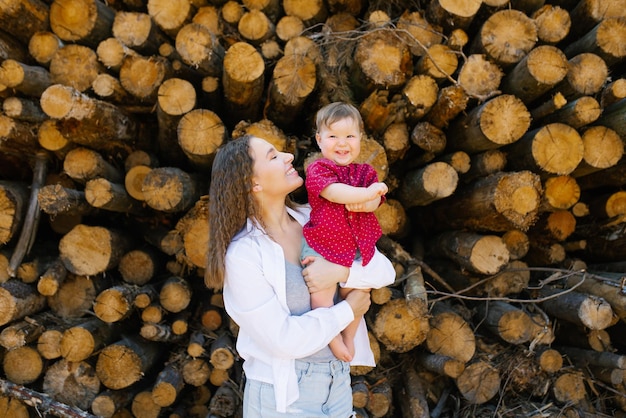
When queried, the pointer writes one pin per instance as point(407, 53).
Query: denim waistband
point(332, 367)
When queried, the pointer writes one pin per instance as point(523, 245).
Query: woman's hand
point(320, 274)
point(359, 300)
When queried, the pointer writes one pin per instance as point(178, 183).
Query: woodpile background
point(499, 126)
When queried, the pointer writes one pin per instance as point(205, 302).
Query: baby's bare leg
point(325, 299)
point(350, 331)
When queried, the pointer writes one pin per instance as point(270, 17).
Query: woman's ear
point(257, 187)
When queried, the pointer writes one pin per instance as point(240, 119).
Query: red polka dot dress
point(333, 231)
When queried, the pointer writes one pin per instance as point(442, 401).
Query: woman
point(254, 251)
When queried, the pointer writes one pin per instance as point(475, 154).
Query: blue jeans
point(325, 391)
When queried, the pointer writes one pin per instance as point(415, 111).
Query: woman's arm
point(321, 274)
point(346, 194)
point(254, 303)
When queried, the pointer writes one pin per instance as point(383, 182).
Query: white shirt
point(270, 338)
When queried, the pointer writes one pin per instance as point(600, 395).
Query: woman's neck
point(284, 230)
point(276, 219)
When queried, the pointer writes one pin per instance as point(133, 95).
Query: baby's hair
point(333, 112)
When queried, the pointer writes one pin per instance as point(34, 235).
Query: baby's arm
point(345, 194)
point(369, 206)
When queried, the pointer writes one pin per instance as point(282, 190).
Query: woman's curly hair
point(230, 203)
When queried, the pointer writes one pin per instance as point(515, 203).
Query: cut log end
point(118, 367)
point(518, 194)
point(504, 119)
point(479, 382)
point(489, 254)
point(397, 328)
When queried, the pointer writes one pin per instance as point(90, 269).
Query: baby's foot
point(340, 350)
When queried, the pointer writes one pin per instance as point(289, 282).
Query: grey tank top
point(299, 302)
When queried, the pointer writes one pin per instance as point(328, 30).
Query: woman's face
point(273, 173)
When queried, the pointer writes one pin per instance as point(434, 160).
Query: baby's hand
point(369, 206)
point(377, 189)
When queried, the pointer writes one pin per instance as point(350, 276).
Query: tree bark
point(243, 80)
point(29, 80)
point(537, 73)
point(24, 109)
point(581, 309)
point(23, 18)
point(168, 385)
point(18, 137)
point(199, 48)
point(41, 401)
point(604, 40)
point(26, 331)
point(612, 117)
point(420, 93)
point(87, 121)
point(499, 202)
point(18, 299)
point(142, 76)
point(83, 340)
point(452, 14)
point(115, 303)
point(484, 254)
point(73, 383)
point(499, 122)
point(423, 186)
point(136, 30)
point(506, 321)
point(415, 404)
point(108, 402)
point(170, 189)
point(439, 62)
point(382, 61)
point(451, 101)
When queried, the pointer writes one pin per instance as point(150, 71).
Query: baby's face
point(340, 141)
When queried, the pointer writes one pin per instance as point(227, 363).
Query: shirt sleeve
point(318, 176)
point(253, 303)
point(379, 272)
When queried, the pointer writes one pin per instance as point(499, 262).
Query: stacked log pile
point(499, 126)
